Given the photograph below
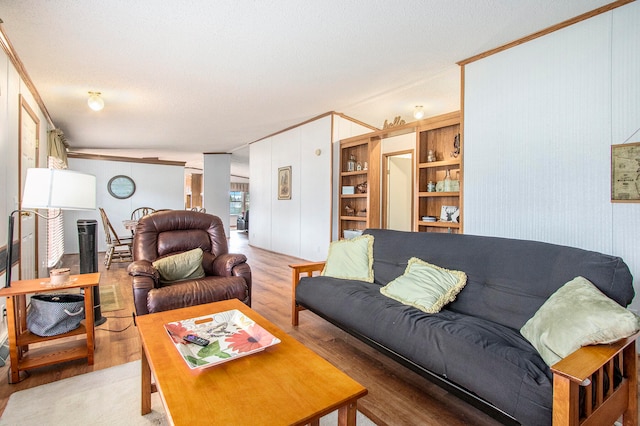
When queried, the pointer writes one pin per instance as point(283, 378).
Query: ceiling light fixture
point(418, 112)
point(95, 102)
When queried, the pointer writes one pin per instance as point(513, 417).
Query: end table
point(20, 337)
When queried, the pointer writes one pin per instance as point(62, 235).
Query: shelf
point(356, 173)
point(28, 338)
point(440, 137)
point(440, 224)
point(439, 194)
point(37, 357)
point(445, 163)
point(354, 195)
point(354, 218)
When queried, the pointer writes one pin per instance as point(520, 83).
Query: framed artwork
point(449, 214)
point(284, 183)
point(625, 173)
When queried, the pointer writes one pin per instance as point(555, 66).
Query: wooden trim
point(353, 120)
point(22, 72)
point(331, 182)
point(385, 185)
point(294, 126)
point(23, 105)
point(553, 28)
point(461, 175)
point(312, 120)
point(83, 156)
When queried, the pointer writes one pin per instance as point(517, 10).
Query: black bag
point(53, 314)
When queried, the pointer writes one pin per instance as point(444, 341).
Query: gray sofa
point(473, 346)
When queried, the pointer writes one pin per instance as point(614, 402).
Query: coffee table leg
point(146, 384)
point(347, 414)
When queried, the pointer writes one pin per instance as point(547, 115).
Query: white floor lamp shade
point(52, 189)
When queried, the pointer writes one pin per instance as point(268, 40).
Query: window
point(236, 199)
point(55, 226)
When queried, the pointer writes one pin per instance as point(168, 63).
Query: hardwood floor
point(397, 396)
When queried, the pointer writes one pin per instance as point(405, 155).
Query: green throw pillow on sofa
point(425, 286)
point(179, 267)
point(351, 259)
point(577, 314)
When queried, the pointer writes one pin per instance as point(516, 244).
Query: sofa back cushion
point(507, 279)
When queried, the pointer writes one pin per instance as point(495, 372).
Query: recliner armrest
point(143, 268)
point(223, 265)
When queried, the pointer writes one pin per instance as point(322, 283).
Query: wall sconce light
point(51, 189)
point(418, 112)
point(95, 102)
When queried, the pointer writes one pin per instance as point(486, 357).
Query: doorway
point(397, 194)
point(29, 131)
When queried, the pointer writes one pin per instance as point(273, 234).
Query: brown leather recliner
point(165, 233)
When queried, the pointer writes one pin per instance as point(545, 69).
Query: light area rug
point(110, 299)
point(104, 397)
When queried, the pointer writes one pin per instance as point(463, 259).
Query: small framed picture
point(449, 214)
point(625, 173)
point(284, 183)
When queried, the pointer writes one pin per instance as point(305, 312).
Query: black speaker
point(88, 246)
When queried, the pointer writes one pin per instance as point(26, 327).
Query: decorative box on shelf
point(348, 190)
point(352, 233)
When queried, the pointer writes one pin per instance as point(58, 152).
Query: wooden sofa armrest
point(586, 367)
point(297, 271)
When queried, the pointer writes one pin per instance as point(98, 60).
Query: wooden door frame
point(385, 186)
point(23, 105)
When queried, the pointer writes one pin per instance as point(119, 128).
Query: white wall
point(11, 87)
point(540, 119)
point(157, 186)
point(216, 184)
point(301, 226)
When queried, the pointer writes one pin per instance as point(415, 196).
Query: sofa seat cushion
point(505, 369)
point(196, 292)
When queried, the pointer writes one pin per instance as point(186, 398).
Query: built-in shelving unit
point(359, 184)
point(439, 151)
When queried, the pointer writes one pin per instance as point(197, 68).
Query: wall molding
point(553, 28)
point(84, 156)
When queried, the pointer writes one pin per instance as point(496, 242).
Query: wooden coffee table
point(284, 384)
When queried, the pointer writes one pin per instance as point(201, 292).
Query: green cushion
point(577, 314)
point(351, 259)
point(425, 286)
point(179, 267)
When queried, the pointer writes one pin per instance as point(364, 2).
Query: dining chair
point(141, 211)
point(118, 248)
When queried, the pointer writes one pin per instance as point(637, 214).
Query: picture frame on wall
point(625, 173)
point(284, 183)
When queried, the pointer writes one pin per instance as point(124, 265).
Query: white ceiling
point(180, 78)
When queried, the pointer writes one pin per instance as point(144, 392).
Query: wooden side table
point(22, 358)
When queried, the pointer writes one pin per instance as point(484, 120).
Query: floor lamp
point(51, 189)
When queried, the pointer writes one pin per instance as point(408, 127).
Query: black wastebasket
point(88, 246)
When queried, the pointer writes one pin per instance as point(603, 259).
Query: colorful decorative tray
point(231, 335)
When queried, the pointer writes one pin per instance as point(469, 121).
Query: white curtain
point(57, 159)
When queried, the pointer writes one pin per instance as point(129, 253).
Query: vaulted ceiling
point(181, 78)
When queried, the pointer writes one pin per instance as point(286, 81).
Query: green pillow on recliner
point(180, 267)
